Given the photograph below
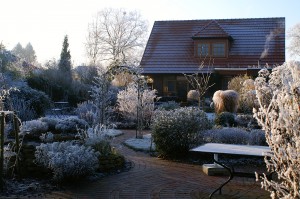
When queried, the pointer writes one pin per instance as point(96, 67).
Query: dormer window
point(211, 48)
point(218, 49)
point(203, 49)
point(211, 41)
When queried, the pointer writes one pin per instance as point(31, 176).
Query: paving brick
point(156, 178)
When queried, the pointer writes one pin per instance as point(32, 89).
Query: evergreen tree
point(29, 54)
point(64, 70)
point(65, 58)
point(18, 50)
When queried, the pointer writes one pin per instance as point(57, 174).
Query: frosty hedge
point(176, 131)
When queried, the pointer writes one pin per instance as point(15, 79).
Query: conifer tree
point(65, 59)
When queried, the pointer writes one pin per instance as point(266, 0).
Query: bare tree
point(199, 81)
point(294, 36)
point(115, 34)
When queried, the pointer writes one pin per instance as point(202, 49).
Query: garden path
point(155, 178)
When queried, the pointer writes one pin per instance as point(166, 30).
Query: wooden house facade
point(223, 48)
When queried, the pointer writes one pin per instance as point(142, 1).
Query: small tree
point(200, 81)
point(101, 95)
point(279, 114)
point(136, 103)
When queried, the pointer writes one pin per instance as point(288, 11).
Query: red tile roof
point(170, 48)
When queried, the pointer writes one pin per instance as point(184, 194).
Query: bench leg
point(228, 180)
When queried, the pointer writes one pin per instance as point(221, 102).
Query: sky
point(44, 23)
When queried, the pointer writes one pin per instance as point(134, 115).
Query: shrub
point(236, 83)
point(93, 135)
point(87, 111)
point(170, 105)
point(279, 112)
point(34, 129)
point(257, 137)
point(176, 131)
point(243, 120)
point(50, 121)
point(244, 85)
point(234, 136)
point(231, 136)
point(193, 96)
point(47, 137)
point(225, 119)
point(103, 147)
point(67, 159)
point(37, 100)
point(247, 121)
point(70, 125)
point(23, 109)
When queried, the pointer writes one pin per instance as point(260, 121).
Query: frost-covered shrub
point(226, 135)
point(193, 96)
point(37, 100)
point(225, 101)
point(34, 128)
point(23, 109)
point(47, 137)
point(87, 111)
point(257, 137)
point(234, 136)
point(70, 125)
point(170, 105)
point(176, 131)
point(103, 147)
point(244, 85)
point(236, 83)
point(246, 121)
point(67, 159)
point(279, 115)
point(93, 135)
point(51, 121)
point(128, 103)
point(225, 119)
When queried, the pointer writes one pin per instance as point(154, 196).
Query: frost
point(67, 159)
point(279, 115)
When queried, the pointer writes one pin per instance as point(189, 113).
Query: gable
point(211, 30)
point(170, 48)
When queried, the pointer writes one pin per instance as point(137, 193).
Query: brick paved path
point(155, 178)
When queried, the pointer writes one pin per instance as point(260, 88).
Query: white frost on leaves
point(67, 159)
point(278, 95)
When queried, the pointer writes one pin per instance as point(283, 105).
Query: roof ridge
point(251, 18)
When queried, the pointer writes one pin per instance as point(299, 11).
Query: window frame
point(211, 43)
point(214, 50)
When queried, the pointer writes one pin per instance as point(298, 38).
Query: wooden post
point(2, 118)
point(17, 130)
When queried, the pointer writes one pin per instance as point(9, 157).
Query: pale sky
point(44, 23)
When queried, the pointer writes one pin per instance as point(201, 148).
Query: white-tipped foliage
point(34, 127)
point(128, 103)
point(67, 159)
point(279, 114)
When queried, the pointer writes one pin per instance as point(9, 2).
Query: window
point(171, 86)
point(203, 50)
point(218, 50)
point(210, 48)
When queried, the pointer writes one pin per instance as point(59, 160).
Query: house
point(224, 47)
